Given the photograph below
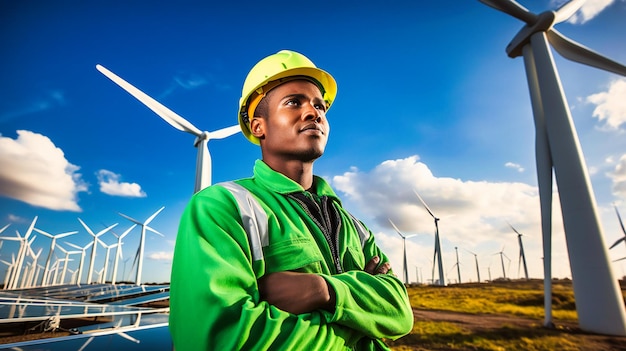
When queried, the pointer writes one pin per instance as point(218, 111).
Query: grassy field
point(505, 315)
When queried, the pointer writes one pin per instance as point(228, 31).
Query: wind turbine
point(502, 255)
point(203, 159)
point(522, 256)
point(458, 265)
point(623, 230)
point(52, 246)
point(599, 302)
point(476, 261)
point(82, 258)
point(404, 237)
point(65, 261)
point(118, 251)
point(142, 240)
point(95, 245)
point(437, 253)
point(106, 259)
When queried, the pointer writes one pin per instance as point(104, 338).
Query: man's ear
point(257, 127)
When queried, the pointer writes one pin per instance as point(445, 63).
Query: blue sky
point(427, 100)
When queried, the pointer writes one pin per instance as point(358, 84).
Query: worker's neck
point(298, 171)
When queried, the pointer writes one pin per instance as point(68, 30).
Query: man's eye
point(293, 102)
point(321, 107)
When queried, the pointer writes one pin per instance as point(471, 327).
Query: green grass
point(518, 298)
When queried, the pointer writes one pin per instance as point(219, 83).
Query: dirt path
point(505, 326)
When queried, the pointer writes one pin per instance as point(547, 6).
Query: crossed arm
point(306, 292)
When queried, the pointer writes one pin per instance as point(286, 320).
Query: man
point(274, 262)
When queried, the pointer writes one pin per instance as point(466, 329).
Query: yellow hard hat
point(273, 69)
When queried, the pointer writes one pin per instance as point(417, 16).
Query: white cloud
point(619, 178)
point(35, 171)
point(610, 105)
point(161, 256)
point(589, 10)
point(473, 216)
point(110, 184)
point(516, 166)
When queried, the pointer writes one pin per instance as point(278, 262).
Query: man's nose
point(312, 113)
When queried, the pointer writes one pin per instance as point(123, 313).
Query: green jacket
point(214, 297)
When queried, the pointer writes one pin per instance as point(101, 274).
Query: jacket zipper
point(333, 244)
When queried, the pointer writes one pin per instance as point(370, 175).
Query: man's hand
point(372, 266)
point(297, 292)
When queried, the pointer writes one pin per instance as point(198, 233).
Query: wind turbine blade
point(567, 10)
point(5, 227)
point(30, 228)
point(168, 115)
point(396, 228)
point(225, 132)
point(576, 52)
point(513, 229)
point(154, 231)
point(73, 245)
point(86, 227)
point(620, 220)
point(128, 231)
point(106, 229)
point(42, 232)
point(130, 218)
point(512, 8)
point(128, 337)
point(59, 236)
point(153, 215)
point(617, 242)
point(424, 203)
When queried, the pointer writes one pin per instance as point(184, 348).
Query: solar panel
point(154, 337)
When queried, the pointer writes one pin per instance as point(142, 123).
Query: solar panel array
point(95, 315)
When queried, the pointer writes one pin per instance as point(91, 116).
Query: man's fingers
point(384, 268)
point(370, 267)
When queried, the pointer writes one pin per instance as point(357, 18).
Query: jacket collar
point(279, 183)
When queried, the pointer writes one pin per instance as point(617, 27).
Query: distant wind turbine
point(142, 240)
point(95, 246)
point(476, 261)
point(52, 246)
point(502, 255)
point(522, 256)
point(404, 237)
point(619, 218)
point(82, 258)
point(203, 160)
point(599, 302)
point(437, 254)
point(118, 251)
point(458, 264)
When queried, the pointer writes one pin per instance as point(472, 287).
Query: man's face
point(296, 127)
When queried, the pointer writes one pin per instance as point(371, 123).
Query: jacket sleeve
point(375, 305)
point(214, 298)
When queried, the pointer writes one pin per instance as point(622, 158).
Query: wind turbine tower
point(142, 240)
point(203, 159)
point(458, 265)
point(522, 256)
point(477, 267)
point(599, 302)
point(404, 237)
point(437, 254)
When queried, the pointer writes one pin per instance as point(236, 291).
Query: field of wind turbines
point(87, 285)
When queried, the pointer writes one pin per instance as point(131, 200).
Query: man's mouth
point(313, 127)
